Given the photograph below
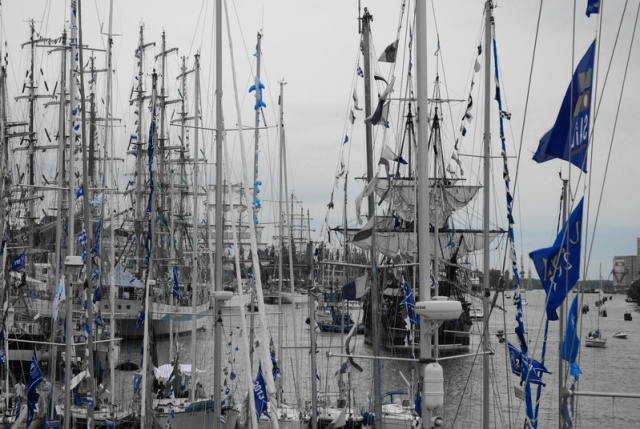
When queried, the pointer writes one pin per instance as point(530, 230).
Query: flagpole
point(561, 385)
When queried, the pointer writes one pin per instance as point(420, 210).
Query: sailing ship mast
point(422, 160)
point(487, 201)
point(377, 373)
point(217, 353)
point(109, 148)
point(194, 244)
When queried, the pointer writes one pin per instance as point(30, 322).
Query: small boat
point(476, 313)
point(621, 335)
point(594, 339)
point(627, 316)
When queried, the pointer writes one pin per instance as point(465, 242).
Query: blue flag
point(593, 6)
point(559, 265)
point(3, 352)
point(176, 284)
point(35, 378)
point(569, 137)
point(526, 368)
point(410, 302)
point(260, 394)
point(571, 342)
point(137, 382)
point(274, 362)
point(19, 263)
point(355, 289)
point(140, 320)
point(418, 400)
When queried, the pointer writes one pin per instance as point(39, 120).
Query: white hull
point(236, 302)
point(595, 342)
point(127, 315)
point(287, 298)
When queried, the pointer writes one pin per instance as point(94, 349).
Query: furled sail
point(402, 198)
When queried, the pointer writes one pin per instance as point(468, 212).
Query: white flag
point(59, 298)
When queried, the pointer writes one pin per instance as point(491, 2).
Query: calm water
point(613, 369)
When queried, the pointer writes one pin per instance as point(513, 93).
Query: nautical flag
point(352, 117)
point(83, 240)
point(382, 110)
point(368, 190)
point(274, 362)
point(140, 320)
point(418, 401)
point(89, 399)
point(593, 6)
point(59, 298)
point(355, 289)
point(390, 53)
point(260, 395)
point(19, 263)
point(571, 342)
point(388, 155)
point(95, 250)
point(365, 233)
point(80, 192)
point(355, 100)
point(345, 368)
point(3, 352)
point(410, 301)
point(97, 201)
point(137, 382)
point(4, 243)
point(150, 154)
point(176, 284)
point(569, 137)
point(346, 139)
point(35, 378)
point(360, 72)
point(525, 367)
point(97, 295)
point(378, 77)
point(559, 265)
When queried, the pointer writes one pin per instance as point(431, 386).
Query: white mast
point(108, 144)
point(487, 186)
point(194, 221)
point(217, 353)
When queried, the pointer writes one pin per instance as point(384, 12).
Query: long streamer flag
point(569, 137)
point(176, 283)
point(260, 394)
point(151, 151)
point(559, 265)
point(35, 378)
point(59, 298)
point(410, 301)
point(571, 342)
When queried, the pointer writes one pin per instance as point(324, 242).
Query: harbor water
point(610, 369)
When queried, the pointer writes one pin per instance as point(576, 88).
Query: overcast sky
point(314, 47)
